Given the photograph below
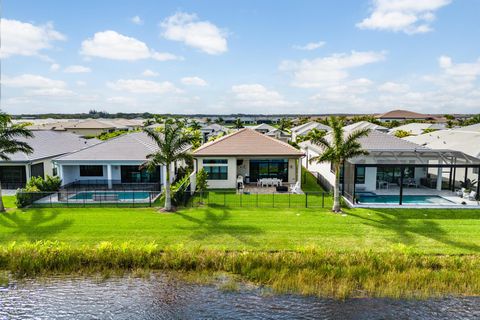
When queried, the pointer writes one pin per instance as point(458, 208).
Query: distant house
point(272, 132)
point(365, 125)
point(46, 145)
point(304, 129)
point(465, 139)
point(212, 130)
point(248, 154)
point(403, 115)
point(417, 128)
point(94, 127)
point(112, 163)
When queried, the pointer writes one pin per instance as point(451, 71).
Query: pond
point(165, 296)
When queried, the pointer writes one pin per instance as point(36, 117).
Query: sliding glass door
point(274, 168)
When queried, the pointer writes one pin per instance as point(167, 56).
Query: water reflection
point(164, 296)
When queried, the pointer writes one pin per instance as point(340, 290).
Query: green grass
point(432, 231)
point(9, 201)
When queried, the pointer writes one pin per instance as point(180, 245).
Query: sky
point(222, 57)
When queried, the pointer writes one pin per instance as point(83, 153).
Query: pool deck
point(448, 195)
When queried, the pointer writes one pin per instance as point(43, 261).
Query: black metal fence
point(91, 198)
point(261, 200)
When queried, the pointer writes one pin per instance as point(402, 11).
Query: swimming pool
point(407, 199)
point(112, 195)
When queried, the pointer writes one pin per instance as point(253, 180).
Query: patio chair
point(472, 196)
point(460, 192)
point(295, 188)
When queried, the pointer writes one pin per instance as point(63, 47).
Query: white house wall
point(231, 181)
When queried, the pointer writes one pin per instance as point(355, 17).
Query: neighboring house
point(212, 130)
point(46, 145)
point(94, 127)
point(403, 115)
point(249, 154)
point(112, 163)
point(272, 132)
point(396, 168)
point(417, 128)
point(465, 139)
point(305, 128)
point(365, 125)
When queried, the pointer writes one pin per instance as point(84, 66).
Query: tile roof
point(47, 144)
point(128, 147)
point(303, 128)
point(247, 142)
point(403, 114)
point(364, 125)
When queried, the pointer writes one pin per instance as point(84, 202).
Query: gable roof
point(128, 147)
point(403, 114)
point(247, 142)
point(48, 144)
point(263, 126)
point(364, 125)
point(303, 128)
point(91, 124)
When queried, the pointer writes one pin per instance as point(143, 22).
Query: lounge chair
point(472, 196)
point(295, 188)
point(460, 192)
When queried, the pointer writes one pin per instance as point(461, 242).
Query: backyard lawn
point(430, 231)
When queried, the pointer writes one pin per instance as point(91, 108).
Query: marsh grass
point(398, 273)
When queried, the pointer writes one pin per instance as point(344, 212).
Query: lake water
point(164, 296)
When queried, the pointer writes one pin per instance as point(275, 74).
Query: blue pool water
point(407, 199)
point(122, 195)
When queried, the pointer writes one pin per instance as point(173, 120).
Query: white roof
point(457, 139)
point(364, 125)
point(306, 127)
point(417, 128)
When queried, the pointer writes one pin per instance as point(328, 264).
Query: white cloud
point(54, 67)
point(77, 69)
point(202, 35)
point(81, 83)
point(194, 81)
point(393, 87)
point(25, 39)
point(51, 92)
point(310, 46)
point(136, 20)
point(409, 16)
point(328, 71)
point(256, 95)
point(121, 100)
point(32, 81)
point(464, 71)
point(113, 45)
point(143, 86)
point(149, 73)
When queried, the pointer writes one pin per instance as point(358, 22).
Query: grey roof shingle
point(129, 147)
point(48, 144)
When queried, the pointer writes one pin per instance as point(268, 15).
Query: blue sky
point(240, 56)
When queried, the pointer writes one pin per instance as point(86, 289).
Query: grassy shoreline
point(399, 273)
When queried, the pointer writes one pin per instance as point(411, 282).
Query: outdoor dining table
point(269, 182)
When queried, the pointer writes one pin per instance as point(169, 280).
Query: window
point(216, 172)
point(215, 161)
point(275, 168)
point(91, 171)
point(360, 175)
point(55, 172)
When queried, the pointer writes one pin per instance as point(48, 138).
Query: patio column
point(28, 172)
point(299, 171)
point(109, 176)
point(60, 172)
point(439, 176)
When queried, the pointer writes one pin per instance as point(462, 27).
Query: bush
point(202, 183)
point(26, 196)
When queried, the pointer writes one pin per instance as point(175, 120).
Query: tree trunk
point(336, 190)
point(168, 198)
point(2, 207)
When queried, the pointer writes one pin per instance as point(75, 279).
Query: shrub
point(202, 183)
point(26, 196)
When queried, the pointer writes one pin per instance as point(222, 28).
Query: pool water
point(407, 199)
point(121, 195)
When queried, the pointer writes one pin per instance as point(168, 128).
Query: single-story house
point(397, 171)
point(417, 128)
point(272, 132)
point(365, 125)
point(114, 163)
point(212, 130)
point(94, 127)
point(251, 155)
point(46, 145)
point(304, 129)
point(403, 115)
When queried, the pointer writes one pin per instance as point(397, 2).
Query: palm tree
point(8, 143)
point(238, 124)
point(337, 150)
point(284, 124)
point(172, 142)
point(195, 125)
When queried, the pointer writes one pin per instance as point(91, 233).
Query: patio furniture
point(282, 189)
point(295, 188)
point(240, 182)
point(460, 192)
point(472, 196)
point(382, 184)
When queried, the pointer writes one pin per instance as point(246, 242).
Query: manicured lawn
point(9, 201)
point(430, 231)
